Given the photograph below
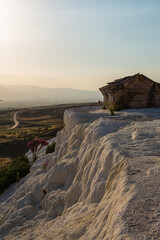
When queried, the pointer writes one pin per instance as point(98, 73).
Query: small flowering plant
point(45, 164)
point(111, 107)
point(36, 146)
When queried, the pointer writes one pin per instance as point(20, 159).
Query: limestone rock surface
point(102, 181)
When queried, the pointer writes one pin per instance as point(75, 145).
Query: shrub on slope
point(18, 168)
point(50, 148)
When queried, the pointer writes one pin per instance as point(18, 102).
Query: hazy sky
point(78, 43)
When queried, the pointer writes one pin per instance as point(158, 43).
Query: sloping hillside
point(102, 182)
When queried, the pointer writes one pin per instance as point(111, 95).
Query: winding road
point(16, 122)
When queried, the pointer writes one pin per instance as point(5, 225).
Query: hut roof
point(120, 81)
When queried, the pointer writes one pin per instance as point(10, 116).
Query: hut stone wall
point(135, 91)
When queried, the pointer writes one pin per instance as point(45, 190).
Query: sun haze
point(78, 43)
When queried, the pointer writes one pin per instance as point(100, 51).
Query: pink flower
point(45, 164)
point(33, 145)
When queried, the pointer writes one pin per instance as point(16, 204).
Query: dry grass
point(5, 161)
point(34, 118)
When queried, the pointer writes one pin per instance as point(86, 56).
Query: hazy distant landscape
point(20, 96)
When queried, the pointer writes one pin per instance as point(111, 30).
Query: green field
point(33, 123)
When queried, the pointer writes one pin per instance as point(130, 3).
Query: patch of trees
point(16, 170)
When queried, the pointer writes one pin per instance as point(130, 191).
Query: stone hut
point(137, 91)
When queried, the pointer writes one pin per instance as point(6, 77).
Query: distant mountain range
point(34, 95)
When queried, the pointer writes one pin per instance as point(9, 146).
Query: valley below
point(18, 126)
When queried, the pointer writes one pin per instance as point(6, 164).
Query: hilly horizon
point(24, 95)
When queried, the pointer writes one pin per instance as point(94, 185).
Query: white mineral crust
point(102, 181)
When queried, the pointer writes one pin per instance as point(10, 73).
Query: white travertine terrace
point(102, 181)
